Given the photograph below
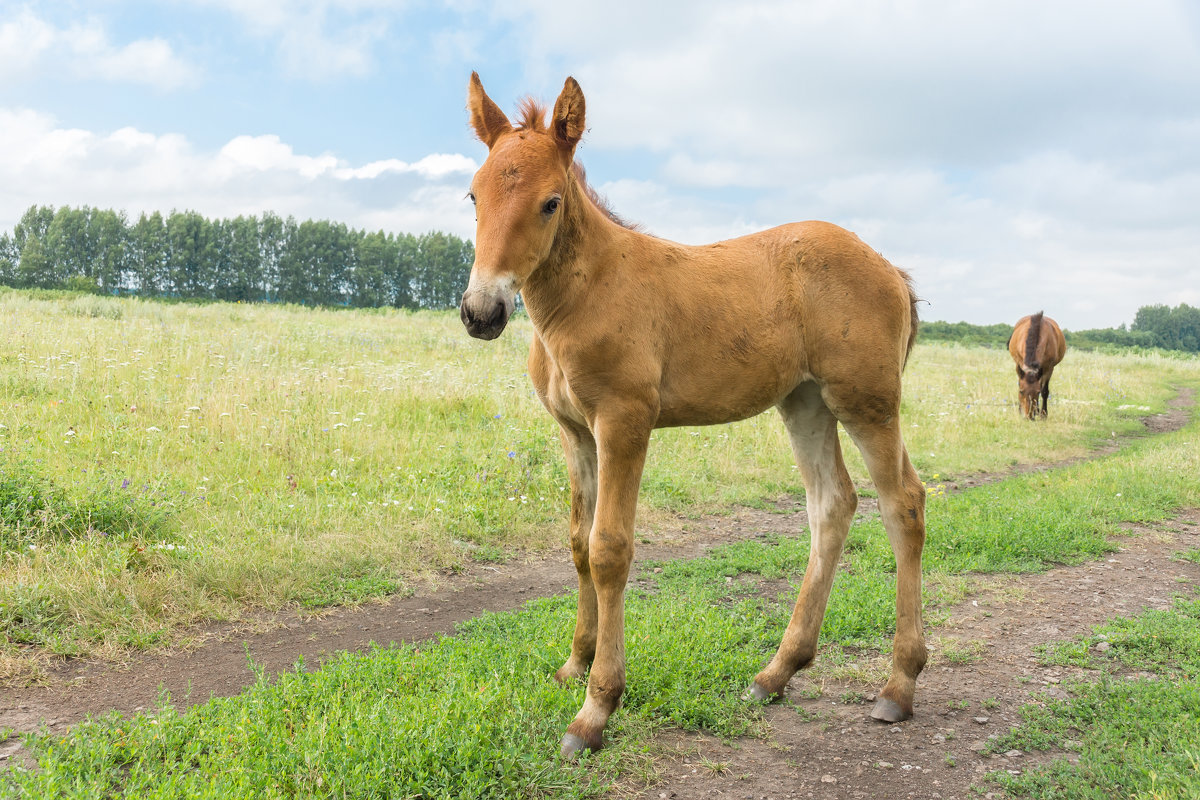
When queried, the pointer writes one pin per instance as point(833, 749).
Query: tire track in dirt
point(219, 666)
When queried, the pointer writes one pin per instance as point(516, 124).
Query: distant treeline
point(1154, 326)
point(251, 259)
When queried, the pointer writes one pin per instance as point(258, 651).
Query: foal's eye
point(471, 197)
point(551, 206)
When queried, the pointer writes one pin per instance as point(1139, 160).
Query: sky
point(1013, 157)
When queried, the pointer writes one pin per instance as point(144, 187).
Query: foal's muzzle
point(484, 315)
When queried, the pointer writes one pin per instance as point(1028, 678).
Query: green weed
point(1135, 737)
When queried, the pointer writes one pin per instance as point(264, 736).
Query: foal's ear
point(487, 119)
point(567, 123)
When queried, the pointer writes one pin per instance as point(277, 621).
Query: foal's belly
point(714, 397)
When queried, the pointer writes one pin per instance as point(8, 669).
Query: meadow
point(165, 464)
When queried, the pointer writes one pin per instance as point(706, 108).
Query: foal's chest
point(553, 388)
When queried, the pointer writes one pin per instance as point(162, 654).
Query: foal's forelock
point(533, 116)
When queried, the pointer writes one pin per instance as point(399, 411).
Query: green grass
point(476, 715)
point(1135, 736)
point(170, 464)
point(314, 457)
point(1165, 642)
point(1190, 555)
point(35, 511)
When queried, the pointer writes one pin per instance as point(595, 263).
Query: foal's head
point(518, 195)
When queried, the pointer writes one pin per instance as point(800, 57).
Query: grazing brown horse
point(1037, 345)
point(633, 333)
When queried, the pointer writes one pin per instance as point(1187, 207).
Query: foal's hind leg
point(580, 449)
point(902, 505)
point(831, 502)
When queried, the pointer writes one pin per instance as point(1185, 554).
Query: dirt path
point(219, 667)
point(844, 754)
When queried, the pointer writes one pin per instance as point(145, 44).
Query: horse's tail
point(1032, 338)
point(914, 321)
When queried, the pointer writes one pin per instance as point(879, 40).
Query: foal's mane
point(1031, 340)
point(533, 118)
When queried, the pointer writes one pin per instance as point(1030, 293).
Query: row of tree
point(251, 259)
point(1154, 326)
point(316, 262)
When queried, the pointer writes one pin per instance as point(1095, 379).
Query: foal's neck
point(558, 287)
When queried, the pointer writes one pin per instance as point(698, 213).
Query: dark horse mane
point(1031, 340)
point(533, 118)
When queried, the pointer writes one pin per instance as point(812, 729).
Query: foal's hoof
point(566, 677)
point(758, 693)
point(574, 746)
point(886, 710)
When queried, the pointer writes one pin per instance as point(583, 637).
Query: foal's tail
point(914, 321)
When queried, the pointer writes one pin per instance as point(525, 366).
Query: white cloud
point(1009, 154)
point(265, 153)
point(84, 50)
point(23, 39)
point(318, 40)
point(132, 170)
point(1013, 156)
point(149, 61)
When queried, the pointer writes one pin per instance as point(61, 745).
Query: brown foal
point(633, 333)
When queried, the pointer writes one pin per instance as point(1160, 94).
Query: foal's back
point(739, 324)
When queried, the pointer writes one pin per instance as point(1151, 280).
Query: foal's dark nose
point(485, 323)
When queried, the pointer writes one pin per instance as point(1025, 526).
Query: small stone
point(981, 720)
point(657, 570)
point(1013, 754)
point(1056, 693)
point(828, 779)
point(1102, 647)
point(885, 764)
point(979, 746)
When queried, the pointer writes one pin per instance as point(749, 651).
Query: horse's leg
point(621, 447)
point(1046, 392)
point(831, 502)
point(580, 449)
point(902, 506)
point(1022, 403)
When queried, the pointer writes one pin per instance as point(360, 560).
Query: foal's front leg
point(621, 454)
point(580, 449)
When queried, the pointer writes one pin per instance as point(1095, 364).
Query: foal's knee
point(609, 558)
